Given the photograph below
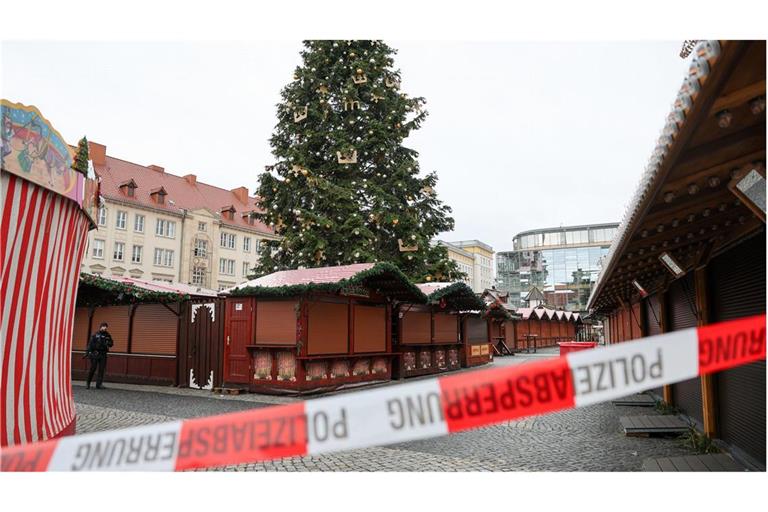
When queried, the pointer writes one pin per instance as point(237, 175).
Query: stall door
point(686, 395)
point(238, 335)
point(737, 289)
point(204, 344)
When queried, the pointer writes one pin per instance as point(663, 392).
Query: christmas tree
point(344, 189)
point(80, 163)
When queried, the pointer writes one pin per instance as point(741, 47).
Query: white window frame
point(202, 226)
point(122, 215)
point(198, 276)
point(134, 252)
point(98, 248)
point(201, 251)
point(228, 240)
point(246, 244)
point(246, 268)
point(165, 228)
point(226, 266)
point(138, 222)
point(163, 257)
point(115, 251)
point(102, 216)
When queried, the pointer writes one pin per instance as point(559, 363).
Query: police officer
point(98, 346)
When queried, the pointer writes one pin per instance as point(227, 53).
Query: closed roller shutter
point(687, 394)
point(477, 330)
point(737, 289)
point(652, 321)
point(509, 333)
point(276, 322)
point(417, 327)
point(446, 328)
point(118, 318)
point(635, 320)
point(370, 329)
point(328, 329)
point(155, 330)
point(80, 332)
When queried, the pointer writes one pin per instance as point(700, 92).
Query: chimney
point(241, 193)
point(97, 152)
point(191, 179)
point(156, 168)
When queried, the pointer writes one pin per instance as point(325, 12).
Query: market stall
point(314, 329)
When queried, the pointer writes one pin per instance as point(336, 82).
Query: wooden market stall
point(427, 336)
point(300, 331)
point(502, 318)
point(164, 333)
point(691, 249)
point(47, 202)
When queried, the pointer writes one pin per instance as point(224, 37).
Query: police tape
point(405, 412)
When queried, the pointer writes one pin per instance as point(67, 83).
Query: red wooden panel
point(276, 322)
point(155, 330)
point(117, 317)
point(416, 327)
point(370, 329)
point(476, 329)
point(80, 334)
point(238, 334)
point(328, 328)
point(446, 328)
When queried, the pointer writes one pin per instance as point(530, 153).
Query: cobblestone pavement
point(585, 439)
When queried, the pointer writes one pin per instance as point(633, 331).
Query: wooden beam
point(708, 395)
point(738, 97)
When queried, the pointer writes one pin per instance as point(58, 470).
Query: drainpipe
point(181, 246)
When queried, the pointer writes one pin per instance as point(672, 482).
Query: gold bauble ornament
point(304, 172)
point(359, 71)
point(395, 221)
point(429, 278)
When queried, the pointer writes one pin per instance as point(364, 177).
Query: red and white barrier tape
point(404, 412)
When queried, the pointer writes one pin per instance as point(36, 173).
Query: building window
point(198, 276)
point(227, 240)
point(202, 226)
point(121, 220)
point(163, 257)
point(201, 248)
point(226, 266)
point(246, 269)
point(129, 191)
point(224, 286)
point(117, 254)
point(98, 248)
point(166, 228)
point(136, 254)
point(247, 244)
point(138, 223)
point(102, 216)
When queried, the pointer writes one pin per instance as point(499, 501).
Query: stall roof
point(683, 204)
point(97, 290)
point(384, 278)
point(458, 296)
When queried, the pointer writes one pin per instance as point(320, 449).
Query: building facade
point(158, 226)
point(561, 262)
point(475, 259)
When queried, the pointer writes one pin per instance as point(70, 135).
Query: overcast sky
point(522, 135)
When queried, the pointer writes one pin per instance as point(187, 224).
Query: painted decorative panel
point(362, 367)
point(379, 366)
point(317, 370)
point(286, 366)
point(425, 359)
point(409, 360)
point(340, 369)
point(262, 365)
point(453, 358)
point(440, 359)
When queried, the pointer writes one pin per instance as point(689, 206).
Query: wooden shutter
point(416, 327)
point(276, 322)
point(328, 330)
point(686, 394)
point(155, 330)
point(80, 334)
point(476, 329)
point(737, 289)
point(117, 317)
point(370, 329)
point(446, 328)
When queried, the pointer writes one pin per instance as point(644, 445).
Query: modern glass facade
point(561, 262)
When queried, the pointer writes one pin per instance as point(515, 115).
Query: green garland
point(81, 157)
point(385, 278)
point(458, 296)
point(98, 291)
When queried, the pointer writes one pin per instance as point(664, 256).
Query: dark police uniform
point(98, 347)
